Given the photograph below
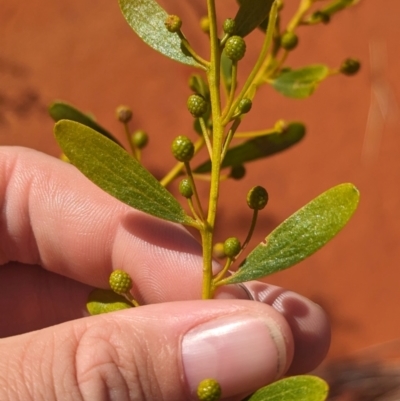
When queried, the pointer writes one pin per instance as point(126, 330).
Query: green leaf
point(259, 147)
point(300, 235)
point(251, 14)
point(146, 18)
point(295, 388)
point(116, 172)
point(104, 301)
point(300, 83)
point(64, 111)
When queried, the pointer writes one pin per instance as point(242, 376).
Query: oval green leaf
point(116, 172)
point(146, 18)
point(105, 301)
point(257, 148)
point(300, 235)
point(251, 14)
point(295, 388)
point(64, 111)
point(300, 83)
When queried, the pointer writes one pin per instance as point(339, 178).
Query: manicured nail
point(241, 352)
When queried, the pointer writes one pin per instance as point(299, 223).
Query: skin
point(60, 237)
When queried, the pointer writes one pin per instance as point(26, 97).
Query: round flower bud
point(197, 105)
point(173, 23)
point(237, 172)
point(245, 105)
point(289, 40)
point(280, 126)
point(320, 15)
point(209, 390)
point(235, 48)
point(205, 24)
point(218, 250)
point(140, 139)
point(182, 148)
point(229, 26)
point(185, 188)
point(257, 198)
point(232, 247)
point(120, 282)
point(124, 114)
point(350, 66)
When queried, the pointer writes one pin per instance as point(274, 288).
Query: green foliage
point(295, 388)
point(147, 18)
point(116, 172)
point(251, 14)
point(260, 147)
point(104, 301)
point(300, 235)
point(64, 111)
point(300, 83)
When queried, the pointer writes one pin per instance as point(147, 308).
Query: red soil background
point(86, 54)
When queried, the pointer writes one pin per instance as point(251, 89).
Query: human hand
point(61, 236)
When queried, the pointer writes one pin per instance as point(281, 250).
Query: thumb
point(156, 352)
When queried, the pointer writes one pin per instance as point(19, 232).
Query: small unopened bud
point(289, 41)
point(257, 198)
point(238, 172)
point(173, 23)
point(229, 26)
point(205, 24)
point(124, 114)
point(218, 250)
point(232, 247)
point(350, 66)
point(185, 188)
point(140, 139)
point(245, 105)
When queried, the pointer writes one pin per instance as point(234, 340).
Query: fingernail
point(241, 352)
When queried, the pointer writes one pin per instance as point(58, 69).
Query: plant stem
point(185, 43)
point(305, 5)
point(260, 61)
point(195, 193)
point(222, 273)
point(128, 137)
point(213, 76)
point(229, 137)
point(232, 89)
point(251, 230)
point(255, 134)
point(206, 135)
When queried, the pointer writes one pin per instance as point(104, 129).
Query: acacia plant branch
point(213, 76)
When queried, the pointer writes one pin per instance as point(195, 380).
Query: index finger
point(54, 216)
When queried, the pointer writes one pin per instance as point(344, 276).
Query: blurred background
point(86, 54)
